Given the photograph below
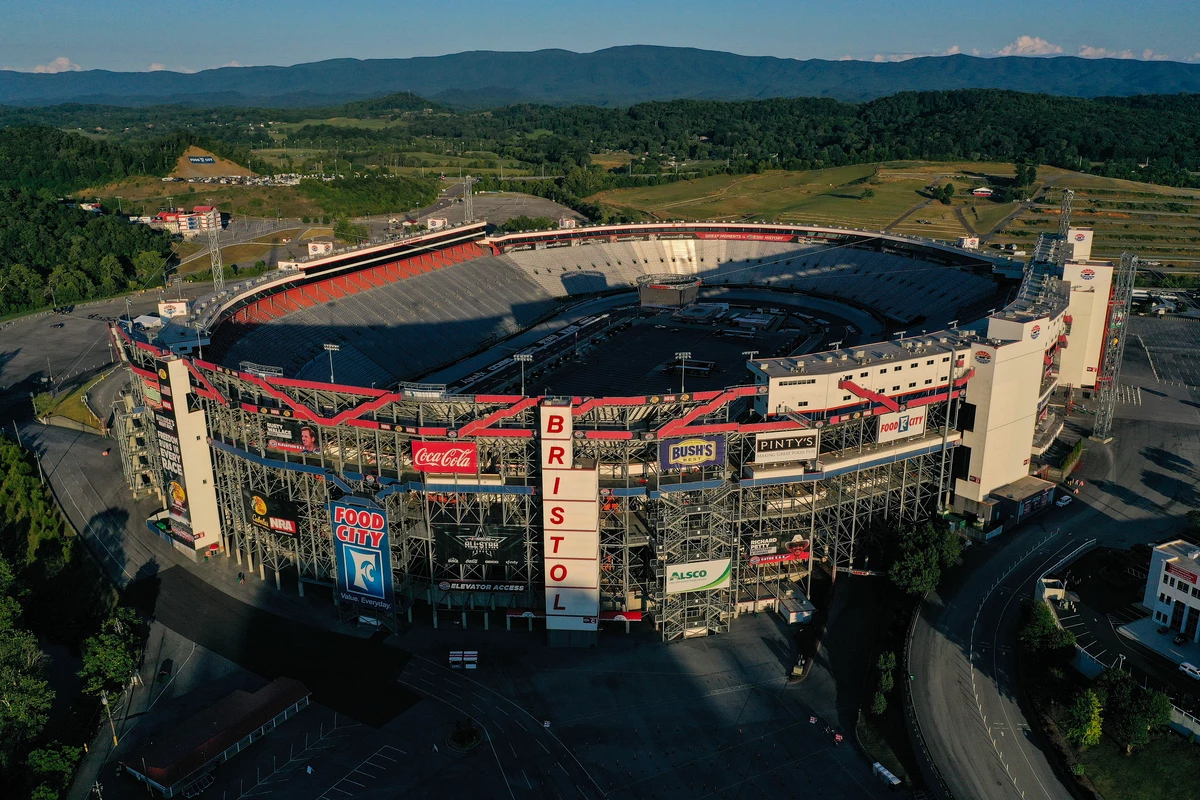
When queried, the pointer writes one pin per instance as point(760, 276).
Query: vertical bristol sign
point(360, 549)
point(571, 527)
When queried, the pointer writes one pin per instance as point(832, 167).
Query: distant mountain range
point(618, 76)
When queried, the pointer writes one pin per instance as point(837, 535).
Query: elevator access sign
point(362, 555)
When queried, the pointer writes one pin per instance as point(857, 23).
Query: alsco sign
point(698, 576)
point(695, 451)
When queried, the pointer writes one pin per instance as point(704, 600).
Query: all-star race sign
point(571, 527)
point(360, 549)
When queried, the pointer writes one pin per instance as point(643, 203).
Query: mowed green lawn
point(818, 196)
point(1153, 772)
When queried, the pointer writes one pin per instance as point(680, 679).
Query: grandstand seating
point(400, 320)
point(903, 287)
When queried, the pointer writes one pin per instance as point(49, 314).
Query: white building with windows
point(1173, 587)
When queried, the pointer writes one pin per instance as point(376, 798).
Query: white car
point(1063, 501)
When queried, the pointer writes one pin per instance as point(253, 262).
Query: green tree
point(946, 193)
point(347, 231)
point(923, 553)
point(1130, 711)
point(1041, 633)
point(1084, 721)
point(110, 657)
point(25, 696)
point(867, 194)
point(53, 766)
point(879, 704)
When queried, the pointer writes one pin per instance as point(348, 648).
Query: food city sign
point(901, 425)
point(458, 458)
point(364, 562)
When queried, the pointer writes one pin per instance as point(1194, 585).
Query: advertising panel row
point(450, 458)
point(491, 546)
point(691, 452)
point(776, 448)
point(362, 556)
point(174, 484)
point(699, 576)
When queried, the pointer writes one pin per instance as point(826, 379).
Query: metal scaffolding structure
point(1119, 301)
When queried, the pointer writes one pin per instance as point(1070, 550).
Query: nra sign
point(458, 458)
point(901, 425)
point(773, 448)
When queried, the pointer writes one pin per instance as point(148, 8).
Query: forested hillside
point(53, 251)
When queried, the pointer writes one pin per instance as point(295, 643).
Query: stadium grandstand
point(458, 420)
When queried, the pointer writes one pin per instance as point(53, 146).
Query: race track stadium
point(672, 422)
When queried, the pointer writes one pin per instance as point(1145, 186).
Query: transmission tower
point(1114, 345)
point(1064, 219)
point(214, 248)
point(468, 203)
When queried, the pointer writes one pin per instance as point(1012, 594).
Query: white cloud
point(881, 58)
point(234, 63)
point(1150, 55)
point(1029, 46)
point(156, 67)
point(60, 64)
point(1087, 51)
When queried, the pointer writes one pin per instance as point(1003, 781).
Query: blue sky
point(56, 35)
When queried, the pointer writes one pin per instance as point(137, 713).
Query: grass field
point(148, 195)
point(1151, 773)
point(73, 407)
point(1158, 223)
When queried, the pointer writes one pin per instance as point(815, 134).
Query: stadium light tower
point(749, 354)
point(331, 349)
point(523, 359)
point(683, 357)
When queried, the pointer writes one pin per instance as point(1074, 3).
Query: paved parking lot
point(1172, 345)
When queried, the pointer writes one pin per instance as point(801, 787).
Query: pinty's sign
point(446, 457)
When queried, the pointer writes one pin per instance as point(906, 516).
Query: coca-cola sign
point(446, 457)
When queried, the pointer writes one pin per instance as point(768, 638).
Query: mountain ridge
point(617, 76)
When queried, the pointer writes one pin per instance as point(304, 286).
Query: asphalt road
point(964, 689)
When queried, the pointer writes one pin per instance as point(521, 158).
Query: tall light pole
point(683, 359)
point(108, 708)
point(749, 354)
point(523, 359)
point(331, 349)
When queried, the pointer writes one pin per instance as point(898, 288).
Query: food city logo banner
point(456, 458)
point(362, 555)
point(698, 576)
point(694, 451)
point(772, 448)
point(900, 425)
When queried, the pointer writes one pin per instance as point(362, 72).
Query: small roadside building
point(177, 761)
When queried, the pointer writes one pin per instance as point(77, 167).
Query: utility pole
point(108, 708)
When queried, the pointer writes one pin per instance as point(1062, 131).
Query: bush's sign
point(901, 425)
point(360, 548)
point(694, 451)
point(698, 576)
point(772, 448)
point(460, 458)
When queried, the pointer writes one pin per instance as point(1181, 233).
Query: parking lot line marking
point(381, 755)
point(514, 750)
point(356, 783)
point(422, 680)
point(452, 694)
point(526, 777)
point(543, 746)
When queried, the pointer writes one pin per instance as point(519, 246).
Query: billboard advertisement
point(763, 550)
point(292, 436)
point(361, 555)
point(201, 159)
point(270, 512)
point(694, 451)
point(492, 545)
point(698, 576)
point(172, 309)
point(901, 425)
point(775, 448)
point(1180, 572)
point(173, 483)
point(455, 458)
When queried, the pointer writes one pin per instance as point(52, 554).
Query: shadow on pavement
point(353, 676)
